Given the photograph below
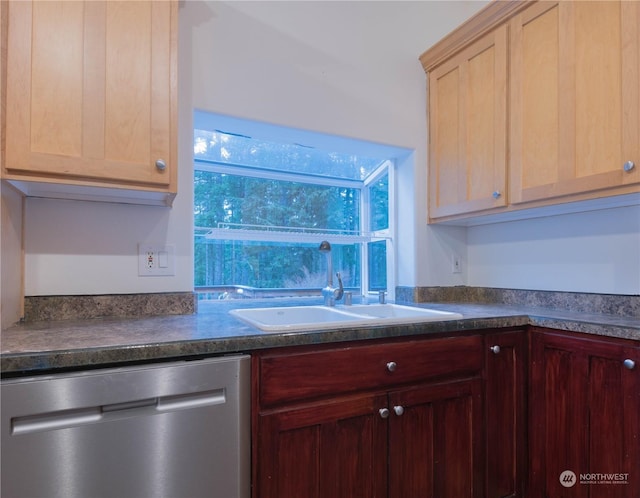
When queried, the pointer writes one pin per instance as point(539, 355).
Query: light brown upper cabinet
point(534, 104)
point(91, 95)
point(468, 128)
point(575, 102)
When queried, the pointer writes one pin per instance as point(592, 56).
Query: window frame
point(309, 235)
point(388, 234)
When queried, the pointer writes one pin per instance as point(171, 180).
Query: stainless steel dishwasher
point(174, 430)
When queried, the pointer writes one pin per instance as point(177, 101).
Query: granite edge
point(37, 362)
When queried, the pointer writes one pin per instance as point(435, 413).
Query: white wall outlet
point(149, 259)
point(456, 264)
point(156, 260)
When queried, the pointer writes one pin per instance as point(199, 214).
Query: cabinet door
point(505, 414)
point(575, 105)
point(467, 129)
point(91, 92)
point(585, 417)
point(435, 441)
point(614, 416)
point(333, 449)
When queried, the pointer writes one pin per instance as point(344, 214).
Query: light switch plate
point(156, 260)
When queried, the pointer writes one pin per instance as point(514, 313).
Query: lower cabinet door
point(505, 414)
point(435, 441)
point(585, 417)
point(334, 449)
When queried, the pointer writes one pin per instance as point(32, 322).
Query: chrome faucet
point(330, 293)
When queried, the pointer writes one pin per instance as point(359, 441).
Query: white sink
point(398, 313)
point(300, 318)
point(297, 318)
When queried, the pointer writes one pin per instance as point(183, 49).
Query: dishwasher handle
point(65, 419)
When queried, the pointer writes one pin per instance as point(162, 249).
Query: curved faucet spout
point(325, 246)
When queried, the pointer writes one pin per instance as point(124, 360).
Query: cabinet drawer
point(286, 377)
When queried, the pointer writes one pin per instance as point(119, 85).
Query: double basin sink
point(302, 318)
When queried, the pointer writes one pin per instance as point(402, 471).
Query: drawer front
point(312, 374)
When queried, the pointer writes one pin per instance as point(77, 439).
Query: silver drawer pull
point(398, 410)
point(161, 165)
point(384, 412)
point(495, 349)
point(391, 366)
point(629, 364)
point(628, 166)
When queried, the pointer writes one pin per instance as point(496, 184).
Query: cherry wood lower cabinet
point(505, 413)
point(405, 420)
point(450, 417)
point(333, 449)
point(435, 440)
point(584, 416)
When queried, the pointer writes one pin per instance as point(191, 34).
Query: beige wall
point(345, 68)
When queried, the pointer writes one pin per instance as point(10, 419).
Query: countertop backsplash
point(53, 308)
point(608, 304)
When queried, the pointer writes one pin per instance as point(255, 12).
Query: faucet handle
point(348, 298)
point(339, 292)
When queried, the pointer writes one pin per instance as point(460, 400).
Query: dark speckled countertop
point(48, 346)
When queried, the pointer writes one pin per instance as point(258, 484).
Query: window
point(262, 207)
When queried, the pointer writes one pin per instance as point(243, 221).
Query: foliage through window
point(261, 209)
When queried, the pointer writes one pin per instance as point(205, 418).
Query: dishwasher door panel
point(172, 430)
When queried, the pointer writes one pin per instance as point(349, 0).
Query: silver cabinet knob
point(497, 194)
point(629, 364)
point(161, 165)
point(398, 410)
point(495, 349)
point(628, 166)
point(391, 366)
point(384, 412)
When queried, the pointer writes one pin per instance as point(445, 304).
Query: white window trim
point(256, 172)
point(388, 168)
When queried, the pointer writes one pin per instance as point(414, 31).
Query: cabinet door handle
point(629, 364)
point(495, 349)
point(398, 410)
point(384, 412)
point(391, 366)
point(161, 165)
point(628, 166)
point(496, 194)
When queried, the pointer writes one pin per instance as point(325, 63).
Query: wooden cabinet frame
point(585, 413)
point(574, 102)
point(380, 431)
point(468, 128)
point(545, 400)
point(91, 97)
point(571, 136)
